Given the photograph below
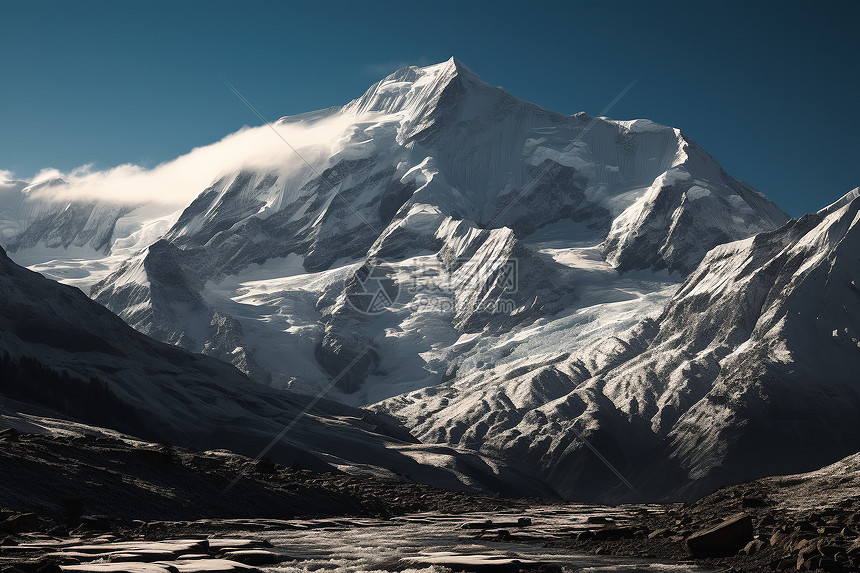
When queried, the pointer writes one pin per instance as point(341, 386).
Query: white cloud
point(179, 181)
point(9, 184)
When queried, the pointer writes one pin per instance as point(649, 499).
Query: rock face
point(722, 540)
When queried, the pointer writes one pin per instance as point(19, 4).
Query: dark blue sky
point(769, 88)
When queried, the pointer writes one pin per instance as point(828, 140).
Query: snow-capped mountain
point(429, 161)
point(750, 370)
point(31, 218)
point(66, 355)
point(542, 287)
point(763, 344)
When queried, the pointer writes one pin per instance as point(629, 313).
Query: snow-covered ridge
point(749, 370)
point(426, 144)
point(410, 91)
point(442, 181)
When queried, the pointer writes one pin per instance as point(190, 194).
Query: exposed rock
point(808, 560)
point(596, 519)
point(9, 435)
point(211, 566)
point(478, 563)
point(96, 522)
point(754, 501)
point(121, 568)
point(20, 523)
point(613, 532)
point(753, 546)
point(143, 556)
point(490, 524)
point(253, 557)
point(726, 538)
point(219, 545)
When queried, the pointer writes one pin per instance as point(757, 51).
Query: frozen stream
point(504, 542)
point(375, 545)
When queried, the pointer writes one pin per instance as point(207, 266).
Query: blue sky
point(769, 88)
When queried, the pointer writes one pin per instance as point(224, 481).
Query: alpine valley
point(490, 295)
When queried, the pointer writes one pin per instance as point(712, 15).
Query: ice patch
point(696, 192)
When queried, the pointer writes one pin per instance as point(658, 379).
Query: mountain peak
point(449, 68)
point(411, 88)
point(456, 66)
point(841, 202)
point(45, 184)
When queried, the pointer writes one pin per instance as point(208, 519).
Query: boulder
point(808, 561)
point(211, 566)
point(232, 544)
point(96, 522)
point(9, 435)
point(490, 524)
point(754, 501)
point(20, 523)
point(753, 547)
point(613, 533)
point(252, 557)
point(142, 556)
point(48, 566)
point(722, 540)
point(478, 563)
point(597, 519)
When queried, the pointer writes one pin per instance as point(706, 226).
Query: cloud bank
point(179, 181)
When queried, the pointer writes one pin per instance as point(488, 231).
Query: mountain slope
point(750, 370)
point(429, 160)
point(779, 317)
point(41, 220)
point(56, 340)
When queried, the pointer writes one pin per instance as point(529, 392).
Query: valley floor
point(62, 491)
